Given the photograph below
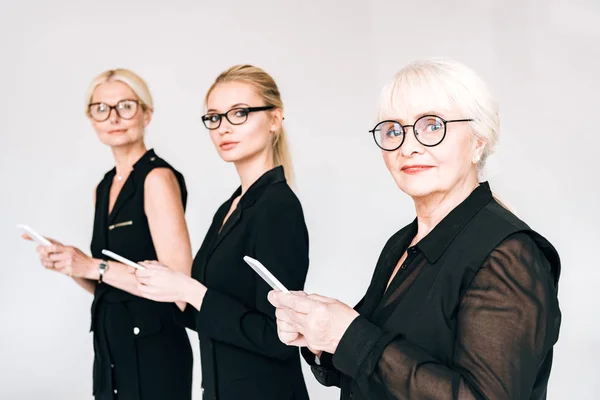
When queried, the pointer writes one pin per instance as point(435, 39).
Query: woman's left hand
point(319, 321)
point(160, 283)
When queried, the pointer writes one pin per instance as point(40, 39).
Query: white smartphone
point(121, 259)
point(265, 274)
point(39, 239)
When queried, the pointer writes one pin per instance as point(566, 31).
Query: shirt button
point(115, 391)
point(136, 330)
point(153, 158)
point(112, 365)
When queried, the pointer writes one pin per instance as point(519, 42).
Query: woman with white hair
point(463, 301)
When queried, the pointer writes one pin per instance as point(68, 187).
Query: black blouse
point(452, 325)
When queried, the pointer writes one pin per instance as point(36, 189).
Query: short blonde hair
point(130, 78)
point(445, 84)
point(267, 89)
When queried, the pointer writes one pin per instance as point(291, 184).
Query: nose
point(225, 127)
point(411, 145)
point(113, 116)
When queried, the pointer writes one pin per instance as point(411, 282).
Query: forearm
point(192, 294)
point(87, 284)
point(226, 319)
point(117, 275)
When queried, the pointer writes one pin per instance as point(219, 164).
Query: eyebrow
point(419, 115)
point(104, 102)
point(237, 105)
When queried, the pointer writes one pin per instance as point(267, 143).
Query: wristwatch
point(102, 268)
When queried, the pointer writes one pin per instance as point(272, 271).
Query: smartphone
point(265, 274)
point(39, 239)
point(121, 259)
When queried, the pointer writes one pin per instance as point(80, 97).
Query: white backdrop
point(330, 59)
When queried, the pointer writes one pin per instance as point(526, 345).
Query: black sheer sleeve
point(508, 322)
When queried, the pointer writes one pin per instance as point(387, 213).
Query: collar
point(258, 188)
point(149, 155)
point(437, 241)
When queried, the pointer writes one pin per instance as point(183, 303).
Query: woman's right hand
point(284, 331)
point(43, 252)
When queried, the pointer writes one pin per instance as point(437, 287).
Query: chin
point(417, 187)
point(236, 155)
point(229, 156)
point(117, 141)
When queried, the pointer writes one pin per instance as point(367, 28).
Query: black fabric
point(471, 314)
point(155, 363)
point(242, 357)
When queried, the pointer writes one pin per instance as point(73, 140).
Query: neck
point(435, 207)
point(253, 168)
point(126, 156)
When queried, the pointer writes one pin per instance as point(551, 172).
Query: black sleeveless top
point(130, 332)
point(125, 230)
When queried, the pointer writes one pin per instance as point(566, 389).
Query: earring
point(476, 158)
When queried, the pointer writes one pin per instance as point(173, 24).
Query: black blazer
point(242, 357)
point(131, 333)
point(471, 314)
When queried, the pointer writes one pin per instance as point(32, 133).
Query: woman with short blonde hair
point(139, 352)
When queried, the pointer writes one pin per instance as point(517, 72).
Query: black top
point(471, 314)
point(130, 332)
point(242, 356)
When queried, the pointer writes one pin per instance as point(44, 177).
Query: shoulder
point(279, 208)
point(280, 198)
point(161, 175)
point(155, 162)
point(494, 213)
point(519, 257)
point(159, 180)
point(514, 244)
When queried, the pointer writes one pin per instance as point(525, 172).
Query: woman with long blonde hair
point(241, 355)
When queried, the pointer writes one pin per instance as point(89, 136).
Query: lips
point(228, 145)
point(117, 131)
point(415, 169)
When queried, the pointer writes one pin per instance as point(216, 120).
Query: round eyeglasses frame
point(403, 127)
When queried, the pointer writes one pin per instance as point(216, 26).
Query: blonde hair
point(445, 84)
point(130, 78)
point(267, 89)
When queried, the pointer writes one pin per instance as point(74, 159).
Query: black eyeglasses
point(125, 109)
point(235, 116)
point(429, 130)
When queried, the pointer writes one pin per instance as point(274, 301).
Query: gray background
point(330, 59)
